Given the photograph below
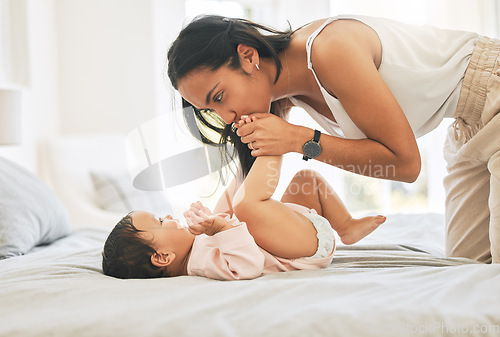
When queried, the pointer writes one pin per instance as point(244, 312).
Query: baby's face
point(164, 233)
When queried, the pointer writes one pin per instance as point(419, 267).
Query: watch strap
point(317, 134)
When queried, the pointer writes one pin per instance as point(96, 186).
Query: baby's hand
point(203, 223)
point(196, 207)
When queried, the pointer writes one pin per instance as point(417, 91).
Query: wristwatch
point(311, 148)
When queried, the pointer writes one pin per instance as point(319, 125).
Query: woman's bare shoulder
point(347, 38)
point(340, 36)
point(301, 35)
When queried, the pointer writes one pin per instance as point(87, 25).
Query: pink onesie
point(234, 255)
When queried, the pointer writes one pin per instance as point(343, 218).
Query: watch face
point(311, 149)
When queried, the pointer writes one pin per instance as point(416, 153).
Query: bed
point(396, 282)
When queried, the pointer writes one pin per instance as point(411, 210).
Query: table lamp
point(10, 117)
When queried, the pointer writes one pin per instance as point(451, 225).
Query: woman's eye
point(218, 98)
point(161, 220)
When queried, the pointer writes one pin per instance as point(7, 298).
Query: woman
point(383, 83)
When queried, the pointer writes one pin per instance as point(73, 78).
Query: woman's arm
point(344, 61)
point(348, 71)
point(367, 157)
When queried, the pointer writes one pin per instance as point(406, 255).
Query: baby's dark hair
point(127, 255)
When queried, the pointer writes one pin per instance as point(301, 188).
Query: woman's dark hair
point(211, 41)
point(127, 255)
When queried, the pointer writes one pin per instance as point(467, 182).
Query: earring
point(257, 66)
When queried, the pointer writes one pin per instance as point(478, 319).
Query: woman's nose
point(227, 116)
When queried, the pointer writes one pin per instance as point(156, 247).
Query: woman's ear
point(249, 57)
point(162, 259)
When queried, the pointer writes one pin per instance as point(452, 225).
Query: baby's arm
point(233, 254)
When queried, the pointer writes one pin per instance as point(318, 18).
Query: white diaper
point(325, 234)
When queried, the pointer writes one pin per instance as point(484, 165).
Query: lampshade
point(10, 116)
point(163, 153)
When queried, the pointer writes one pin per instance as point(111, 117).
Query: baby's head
point(145, 246)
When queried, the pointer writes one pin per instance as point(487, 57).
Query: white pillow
point(115, 192)
point(30, 213)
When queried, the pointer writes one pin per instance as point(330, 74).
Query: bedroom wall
point(93, 66)
point(112, 54)
point(106, 65)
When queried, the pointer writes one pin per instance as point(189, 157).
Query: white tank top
point(423, 67)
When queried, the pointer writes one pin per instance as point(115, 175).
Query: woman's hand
point(267, 134)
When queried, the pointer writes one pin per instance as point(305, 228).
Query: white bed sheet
point(374, 288)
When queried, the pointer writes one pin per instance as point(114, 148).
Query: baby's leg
point(274, 226)
point(308, 188)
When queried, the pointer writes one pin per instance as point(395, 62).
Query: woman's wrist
point(301, 135)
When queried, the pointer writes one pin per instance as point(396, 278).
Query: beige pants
point(472, 153)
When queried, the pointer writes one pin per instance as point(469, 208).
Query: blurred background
point(93, 67)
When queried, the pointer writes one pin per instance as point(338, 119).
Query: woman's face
point(230, 93)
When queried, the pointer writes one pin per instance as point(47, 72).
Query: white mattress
point(394, 283)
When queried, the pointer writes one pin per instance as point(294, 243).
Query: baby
point(261, 236)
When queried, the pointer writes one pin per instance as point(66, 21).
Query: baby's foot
point(356, 229)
